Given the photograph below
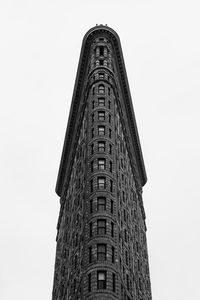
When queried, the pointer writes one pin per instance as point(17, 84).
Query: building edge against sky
point(101, 240)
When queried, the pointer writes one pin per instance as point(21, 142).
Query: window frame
point(101, 252)
point(101, 115)
point(101, 283)
point(101, 101)
point(101, 185)
point(101, 206)
point(101, 226)
point(101, 130)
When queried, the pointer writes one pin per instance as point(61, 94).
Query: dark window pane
point(101, 226)
point(101, 203)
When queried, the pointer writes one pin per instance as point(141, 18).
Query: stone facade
point(101, 241)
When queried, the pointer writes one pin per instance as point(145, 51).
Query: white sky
point(40, 44)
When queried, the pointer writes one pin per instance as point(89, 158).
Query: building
point(101, 241)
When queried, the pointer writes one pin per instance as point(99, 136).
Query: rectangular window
point(109, 104)
point(89, 282)
point(92, 149)
point(113, 279)
point(113, 255)
point(111, 166)
point(108, 91)
point(101, 75)
point(101, 183)
point(90, 254)
point(90, 229)
point(101, 146)
point(101, 130)
point(101, 252)
point(111, 186)
point(110, 131)
point(92, 166)
point(112, 229)
point(110, 149)
point(101, 63)
point(101, 50)
point(101, 280)
point(101, 101)
point(101, 163)
point(101, 115)
point(109, 118)
point(101, 226)
point(93, 104)
point(127, 282)
point(91, 186)
point(92, 118)
point(91, 206)
point(111, 206)
point(101, 203)
point(92, 133)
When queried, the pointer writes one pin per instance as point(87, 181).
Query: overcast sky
point(40, 43)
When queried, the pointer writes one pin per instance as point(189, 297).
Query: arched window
point(101, 89)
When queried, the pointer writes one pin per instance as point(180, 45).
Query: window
point(90, 254)
point(101, 226)
point(113, 255)
point(109, 117)
point(108, 91)
point(112, 229)
point(93, 90)
point(101, 130)
point(91, 206)
point(89, 282)
point(111, 186)
point(101, 75)
point(101, 87)
point(101, 183)
point(126, 258)
point(101, 62)
point(101, 163)
point(92, 149)
point(101, 280)
point(91, 186)
point(110, 149)
point(101, 101)
point(92, 133)
point(140, 284)
point(101, 115)
point(110, 133)
point(111, 166)
point(127, 282)
point(92, 166)
point(124, 215)
point(101, 50)
point(90, 229)
point(109, 104)
point(101, 203)
point(113, 282)
point(92, 118)
point(93, 104)
point(101, 252)
point(111, 206)
point(101, 146)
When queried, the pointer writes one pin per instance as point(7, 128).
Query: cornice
point(77, 105)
